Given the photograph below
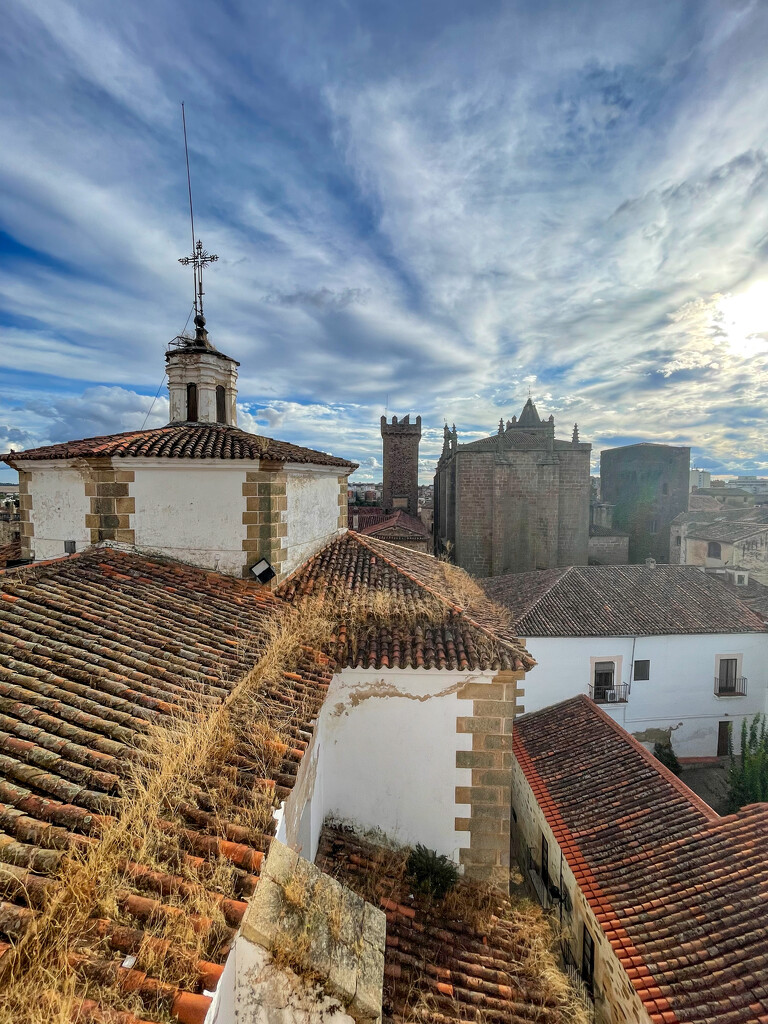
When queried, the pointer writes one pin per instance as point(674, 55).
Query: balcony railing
point(731, 687)
point(536, 880)
point(583, 990)
point(616, 694)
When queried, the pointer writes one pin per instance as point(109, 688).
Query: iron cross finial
point(200, 258)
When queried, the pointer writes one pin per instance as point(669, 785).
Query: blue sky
point(426, 207)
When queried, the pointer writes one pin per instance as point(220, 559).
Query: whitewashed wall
point(59, 508)
point(191, 510)
point(312, 515)
point(679, 694)
point(387, 760)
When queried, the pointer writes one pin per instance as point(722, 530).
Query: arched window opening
point(192, 403)
point(221, 404)
point(713, 549)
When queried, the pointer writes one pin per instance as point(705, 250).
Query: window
point(605, 672)
point(713, 550)
point(726, 675)
point(588, 958)
point(724, 733)
point(654, 526)
point(642, 669)
point(544, 861)
point(677, 541)
point(192, 403)
point(221, 405)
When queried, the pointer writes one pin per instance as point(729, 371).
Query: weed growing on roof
point(432, 873)
point(140, 883)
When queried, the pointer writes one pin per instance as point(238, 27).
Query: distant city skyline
point(418, 208)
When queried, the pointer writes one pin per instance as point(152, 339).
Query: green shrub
point(431, 873)
point(748, 773)
point(667, 756)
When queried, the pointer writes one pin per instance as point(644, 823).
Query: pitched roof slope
point(679, 891)
point(398, 520)
point(620, 600)
point(95, 650)
point(182, 441)
point(439, 966)
point(400, 608)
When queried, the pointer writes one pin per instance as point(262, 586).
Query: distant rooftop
point(620, 600)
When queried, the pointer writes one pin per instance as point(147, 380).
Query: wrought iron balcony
point(616, 694)
point(731, 687)
point(583, 988)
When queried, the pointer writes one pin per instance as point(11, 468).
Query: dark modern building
point(648, 486)
point(515, 501)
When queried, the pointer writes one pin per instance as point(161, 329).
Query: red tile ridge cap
point(46, 561)
point(602, 907)
point(457, 609)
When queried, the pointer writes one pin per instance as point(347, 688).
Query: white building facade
point(200, 489)
point(670, 652)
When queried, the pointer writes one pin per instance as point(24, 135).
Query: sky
point(435, 207)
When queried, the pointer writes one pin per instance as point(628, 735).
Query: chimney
point(650, 563)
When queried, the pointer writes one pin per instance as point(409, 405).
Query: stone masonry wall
point(573, 506)
point(472, 511)
point(616, 1000)
point(26, 527)
point(400, 443)
point(608, 550)
point(490, 760)
point(111, 503)
point(266, 503)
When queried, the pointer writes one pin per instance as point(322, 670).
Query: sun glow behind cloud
point(743, 318)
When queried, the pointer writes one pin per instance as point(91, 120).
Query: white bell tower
point(202, 382)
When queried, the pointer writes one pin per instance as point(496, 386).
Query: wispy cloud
point(426, 207)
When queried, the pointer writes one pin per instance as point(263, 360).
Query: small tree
point(667, 756)
point(748, 772)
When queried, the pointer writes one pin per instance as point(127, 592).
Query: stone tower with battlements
point(401, 463)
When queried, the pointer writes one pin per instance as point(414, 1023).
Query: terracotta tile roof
point(429, 622)
point(10, 552)
point(702, 502)
point(620, 600)
point(366, 515)
point(679, 891)
point(438, 966)
point(728, 533)
point(96, 649)
point(182, 441)
point(398, 520)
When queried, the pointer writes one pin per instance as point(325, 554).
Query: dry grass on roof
point(474, 956)
point(214, 766)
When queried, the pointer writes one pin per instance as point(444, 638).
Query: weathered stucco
point(312, 513)
point(679, 694)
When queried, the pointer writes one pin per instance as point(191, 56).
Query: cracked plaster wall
point(389, 741)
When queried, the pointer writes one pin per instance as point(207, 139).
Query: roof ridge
point(492, 635)
point(566, 570)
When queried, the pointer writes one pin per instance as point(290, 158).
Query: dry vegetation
point(186, 767)
point(486, 913)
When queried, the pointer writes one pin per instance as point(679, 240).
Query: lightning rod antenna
point(189, 190)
